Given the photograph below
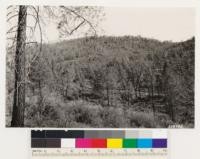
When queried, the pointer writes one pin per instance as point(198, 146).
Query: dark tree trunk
point(19, 91)
point(40, 99)
point(171, 107)
point(111, 97)
point(139, 89)
point(152, 96)
point(135, 91)
point(168, 93)
point(149, 94)
point(108, 94)
point(128, 97)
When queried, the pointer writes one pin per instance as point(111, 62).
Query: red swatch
point(99, 143)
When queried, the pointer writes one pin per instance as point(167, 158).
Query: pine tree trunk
point(19, 91)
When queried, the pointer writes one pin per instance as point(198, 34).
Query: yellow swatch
point(114, 143)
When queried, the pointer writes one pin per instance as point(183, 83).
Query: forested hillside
point(107, 82)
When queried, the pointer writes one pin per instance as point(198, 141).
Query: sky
point(171, 24)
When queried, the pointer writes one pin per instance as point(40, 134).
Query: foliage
point(113, 82)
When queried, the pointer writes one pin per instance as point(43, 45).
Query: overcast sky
point(174, 24)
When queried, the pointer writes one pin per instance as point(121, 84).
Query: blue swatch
point(144, 143)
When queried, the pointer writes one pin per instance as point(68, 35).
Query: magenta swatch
point(83, 143)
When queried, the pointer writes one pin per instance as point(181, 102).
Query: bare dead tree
point(17, 34)
point(19, 91)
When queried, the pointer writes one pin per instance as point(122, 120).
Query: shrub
point(45, 116)
point(141, 119)
point(113, 117)
point(82, 113)
point(164, 120)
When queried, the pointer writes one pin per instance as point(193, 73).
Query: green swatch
point(129, 143)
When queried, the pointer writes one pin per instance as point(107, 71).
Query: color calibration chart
point(99, 144)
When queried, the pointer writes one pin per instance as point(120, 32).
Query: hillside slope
point(111, 82)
